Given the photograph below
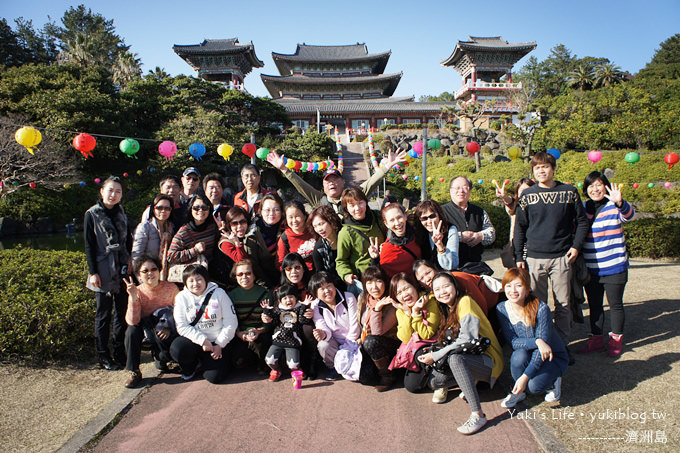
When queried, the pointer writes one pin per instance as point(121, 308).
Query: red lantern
point(298, 165)
point(32, 185)
point(472, 147)
point(442, 179)
point(249, 149)
point(671, 159)
point(636, 185)
point(84, 143)
point(125, 175)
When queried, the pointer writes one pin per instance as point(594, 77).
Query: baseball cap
point(190, 170)
point(331, 173)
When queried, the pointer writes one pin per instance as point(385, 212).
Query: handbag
point(476, 267)
point(406, 354)
point(176, 270)
point(475, 346)
point(508, 256)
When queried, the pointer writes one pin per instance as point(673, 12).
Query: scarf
point(401, 241)
point(114, 223)
point(270, 233)
point(191, 224)
point(366, 221)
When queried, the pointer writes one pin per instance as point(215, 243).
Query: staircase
point(356, 170)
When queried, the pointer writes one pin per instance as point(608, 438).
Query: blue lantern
point(197, 150)
point(554, 152)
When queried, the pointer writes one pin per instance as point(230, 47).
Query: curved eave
point(462, 48)
point(389, 106)
point(271, 82)
point(283, 61)
point(246, 49)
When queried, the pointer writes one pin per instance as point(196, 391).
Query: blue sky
point(419, 34)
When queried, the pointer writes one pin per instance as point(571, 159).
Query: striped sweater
point(605, 247)
point(183, 246)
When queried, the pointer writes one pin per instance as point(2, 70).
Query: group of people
point(344, 290)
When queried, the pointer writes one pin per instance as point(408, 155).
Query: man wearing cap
point(190, 182)
point(333, 183)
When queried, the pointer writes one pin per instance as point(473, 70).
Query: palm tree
point(81, 50)
point(126, 69)
point(607, 74)
point(581, 78)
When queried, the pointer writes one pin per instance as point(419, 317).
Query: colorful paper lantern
point(429, 179)
point(507, 181)
point(125, 175)
point(480, 181)
point(32, 185)
point(67, 186)
point(249, 149)
point(97, 180)
point(84, 143)
point(28, 137)
point(167, 149)
point(139, 172)
point(290, 163)
point(650, 185)
point(632, 157)
point(667, 185)
point(404, 177)
point(434, 143)
point(554, 152)
point(225, 150)
point(262, 153)
point(580, 185)
point(472, 147)
point(82, 184)
point(671, 159)
point(594, 156)
point(417, 178)
point(418, 148)
point(636, 185)
point(129, 147)
point(412, 154)
point(197, 150)
point(514, 152)
point(152, 169)
point(442, 179)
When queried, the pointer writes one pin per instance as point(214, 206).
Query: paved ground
point(248, 413)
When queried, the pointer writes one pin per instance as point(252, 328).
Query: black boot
point(107, 364)
point(387, 378)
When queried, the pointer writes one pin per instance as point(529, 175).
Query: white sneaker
point(555, 393)
point(439, 396)
point(461, 395)
point(511, 400)
point(473, 424)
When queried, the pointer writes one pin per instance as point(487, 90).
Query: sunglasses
point(193, 178)
point(239, 222)
point(428, 217)
point(244, 274)
point(201, 207)
point(148, 271)
point(162, 208)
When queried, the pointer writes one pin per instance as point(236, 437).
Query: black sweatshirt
point(549, 222)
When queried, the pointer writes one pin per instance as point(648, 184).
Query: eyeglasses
point(201, 207)
point(148, 271)
point(244, 274)
point(271, 211)
point(428, 217)
point(162, 208)
point(238, 222)
point(296, 267)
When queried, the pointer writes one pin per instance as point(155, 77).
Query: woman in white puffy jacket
point(203, 343)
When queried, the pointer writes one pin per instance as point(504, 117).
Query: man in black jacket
point(475, 229)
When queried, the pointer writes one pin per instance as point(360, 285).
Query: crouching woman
point(206, 322)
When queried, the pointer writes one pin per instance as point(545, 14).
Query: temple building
point(344, 86)
point(224, 61)
point(485, 64)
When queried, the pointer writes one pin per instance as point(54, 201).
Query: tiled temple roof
point(390, 81)
point(488, 44)
point(220, 47)
point(391, 105)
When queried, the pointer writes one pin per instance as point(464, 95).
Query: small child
point(287, 320)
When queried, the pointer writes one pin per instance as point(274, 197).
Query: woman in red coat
point(400, 250)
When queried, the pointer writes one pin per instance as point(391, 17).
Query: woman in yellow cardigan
point(463, 321)
point(416, 313)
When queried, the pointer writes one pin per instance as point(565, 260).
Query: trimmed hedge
point(653, 238)
point(45, 311)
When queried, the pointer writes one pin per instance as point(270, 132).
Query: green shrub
point(653, 238)
point(45, 311)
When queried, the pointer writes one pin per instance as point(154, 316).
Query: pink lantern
point(667, 185)
point(594, 156)
point(167, 149)
point(418, 148)
point(472, 147)
point(404, 177)
point(97, 180)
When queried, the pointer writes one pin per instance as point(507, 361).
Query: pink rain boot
point(615, 346)
point(297, 378)
point(595, 343)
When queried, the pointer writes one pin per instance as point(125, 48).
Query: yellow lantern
point(290, 164)
point(514, 152)
point(225, 150)
point(28, 137)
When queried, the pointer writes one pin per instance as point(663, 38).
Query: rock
point(44, 225)
point(10, 227)
point(501, 158)
point(446, 142)
point(609, 173)
point(493, 145)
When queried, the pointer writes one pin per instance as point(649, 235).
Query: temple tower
point(224, 61)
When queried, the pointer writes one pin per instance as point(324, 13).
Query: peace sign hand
point(500, 192)
point(373, 249)
point(438, 237)
point(614, 194)
point(131, 288)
